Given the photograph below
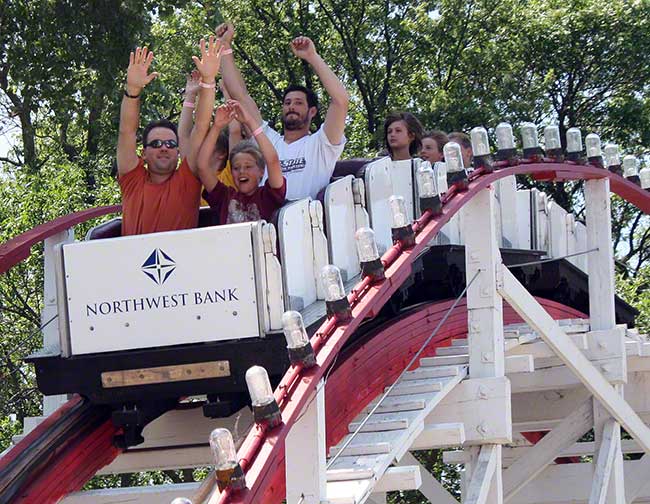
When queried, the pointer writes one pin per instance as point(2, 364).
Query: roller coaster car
point(146, 320)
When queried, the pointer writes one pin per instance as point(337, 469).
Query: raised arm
point(337, 111)
point(208, 67)
point(234, 127)
point(274, 170)
point(186, 120)
point(208, 173)
point(137, 77)
point(232, 78)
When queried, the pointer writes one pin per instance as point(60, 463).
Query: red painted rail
point(18, 248)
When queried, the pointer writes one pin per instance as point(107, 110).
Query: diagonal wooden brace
point(532, 312)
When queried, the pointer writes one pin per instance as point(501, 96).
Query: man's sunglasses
point(157, 144)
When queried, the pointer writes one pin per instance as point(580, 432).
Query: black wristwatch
point(126, 93)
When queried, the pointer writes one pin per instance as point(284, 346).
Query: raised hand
point(192, 84)
point(208, 64)
point(239, 113)
point(225, 32)
point(137, 76)
point(303, 48)
point(222, 115)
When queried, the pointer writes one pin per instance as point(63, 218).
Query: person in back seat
point(156, 195)
point(247, 201)
point(465, 143)
point(432, 144)
point(307, 160)
point(402, 135)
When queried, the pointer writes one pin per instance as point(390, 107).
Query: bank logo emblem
point(158, 266)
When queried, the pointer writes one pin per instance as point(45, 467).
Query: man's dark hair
point(461, 139)
point(440, 138)
point(162, 123)
point(413, 126)
point(312, 99)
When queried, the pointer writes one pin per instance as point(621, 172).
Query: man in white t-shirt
point(307, 159)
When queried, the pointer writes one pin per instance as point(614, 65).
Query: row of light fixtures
point(266, 411)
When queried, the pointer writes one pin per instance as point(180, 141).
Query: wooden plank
point(395, 479)
point(441, 435)
point(531, 311)
point(545, 451)
point(133, 495)
point(519, 364)
point(165, 374)
point(605, 461)
point(415, 387)
point(479, 485)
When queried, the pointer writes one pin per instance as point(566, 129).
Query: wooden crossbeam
point(533, 462)
point(533, 313)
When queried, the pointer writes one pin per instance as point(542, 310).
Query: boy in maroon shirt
point(248, 201)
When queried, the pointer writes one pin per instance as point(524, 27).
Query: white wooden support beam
point(431, 488)
point(603, 317)
point(305, 454)
point(483, 474)
point(533, 313)
point(601, 262)
point(547, 449)
point(485, 308)
point(605, 462)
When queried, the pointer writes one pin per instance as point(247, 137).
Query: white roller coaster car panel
point(378, 189)
point(161, 289)
point(341, 226)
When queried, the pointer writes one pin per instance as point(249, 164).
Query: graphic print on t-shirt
point(292, 165)
point(241, 212)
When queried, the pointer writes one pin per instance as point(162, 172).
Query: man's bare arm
point(337, 111)
point(137, 77)
point(232, 78)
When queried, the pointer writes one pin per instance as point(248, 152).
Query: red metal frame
point(261, 454)
point(18, 248)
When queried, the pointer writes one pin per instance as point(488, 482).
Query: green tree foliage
point(455, 63)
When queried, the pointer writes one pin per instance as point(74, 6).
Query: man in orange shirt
point(156, 196)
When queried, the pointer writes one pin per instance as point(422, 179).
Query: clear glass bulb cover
point(259, 387)
point(644, 177)
point(223, 448)
point(552, 138)
point(453, 157)
point(480, 141)
point(366, 245)
point(332, 283)
point(427, 187)
point(399, 217)
point(610, 153)
point(573, 140)
point(529, 138)
point(294, 329)
point(181, 500)
point(505, 138)
point(592, 144)
point(630, 166)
